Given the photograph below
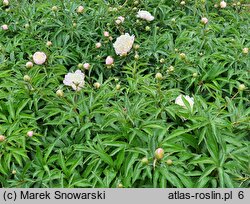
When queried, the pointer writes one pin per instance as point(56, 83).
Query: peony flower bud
point(109, 60)
point(159, 153)
point(30, 133)
point(147, 28)
point(136, 46)
point(98, 45)
point(80, 65)
point(195, 74)
point(169, 162)
point(5, 2)
point(173, 20)
point(29, 65)
point(121, 18)
point(241, 87)
point(74, 25)
point(49, 43)
point(106, 33)
point(26, 25)
point(170, 69)
point(182, 55)
point(204, 20)
point(60, 93)
point(120, 185)
point(158, 76)
point(80, 9)
point(26, 78)
point(137, 56)
point(13, 172)
point(118, 22)
point(86, 66)
point(4, 27)
point(144, 161)
point(162, 60)
point(183, 3)
point(136, 2)
point(97, 85)
point(245, 50)
point(118, 86)
point(2, 138)
point(223, 4)
point(54, 8)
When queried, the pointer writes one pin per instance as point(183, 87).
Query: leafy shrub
point(106, 134)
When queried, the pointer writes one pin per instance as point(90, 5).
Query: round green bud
point(241, 87)
point(169, 162)
point(144, 160)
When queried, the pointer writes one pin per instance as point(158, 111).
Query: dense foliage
point(106, 134)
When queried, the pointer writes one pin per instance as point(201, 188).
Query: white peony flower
point(180, 102)
point(75, 80)
point(145, 15)
point(123, 44)
point(39, 58)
